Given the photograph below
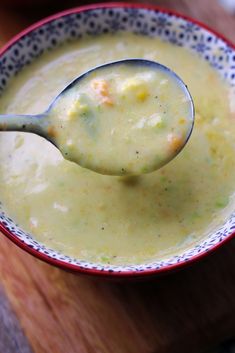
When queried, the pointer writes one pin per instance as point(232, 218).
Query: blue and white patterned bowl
point(93, 20)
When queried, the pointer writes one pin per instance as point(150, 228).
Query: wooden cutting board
point(46, 310)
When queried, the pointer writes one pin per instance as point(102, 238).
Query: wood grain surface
point(8, 324)
point(187, 311)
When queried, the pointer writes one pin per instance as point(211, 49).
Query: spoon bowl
point(84, 147)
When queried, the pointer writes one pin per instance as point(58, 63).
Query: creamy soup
point(124, 118)
point(109, 219)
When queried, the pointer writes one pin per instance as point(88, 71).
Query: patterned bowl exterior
point(97, 19)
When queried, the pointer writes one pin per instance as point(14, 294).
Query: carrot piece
point(175, 142)
point(107, 100)
point(51, 131)
point(101, 87)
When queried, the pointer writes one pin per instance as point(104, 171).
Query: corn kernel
point(155, 120)
point(72, 114)
point(130, 85)
point(142, 95)
point(80, 107)
point(137, 87)
point(77, 109)
point(182, 121)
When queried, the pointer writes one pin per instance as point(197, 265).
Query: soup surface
point(123, 119)
point(118, 220)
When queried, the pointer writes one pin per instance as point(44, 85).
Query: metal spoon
point(41, 124)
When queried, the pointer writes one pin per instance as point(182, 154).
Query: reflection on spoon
point(122, 118)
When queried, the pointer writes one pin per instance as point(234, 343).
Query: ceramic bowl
point(93, 20)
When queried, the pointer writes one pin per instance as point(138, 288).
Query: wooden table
point(46, 310)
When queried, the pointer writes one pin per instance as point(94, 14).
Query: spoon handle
point(27, 123)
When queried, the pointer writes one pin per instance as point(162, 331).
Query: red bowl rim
point(89, 271)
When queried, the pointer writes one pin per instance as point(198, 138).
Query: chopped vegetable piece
point(175, 142)
point(101, 87)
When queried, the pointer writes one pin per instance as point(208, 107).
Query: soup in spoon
point(129, 117)
point(121, 118)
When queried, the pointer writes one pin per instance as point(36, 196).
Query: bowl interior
point(77, 23)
